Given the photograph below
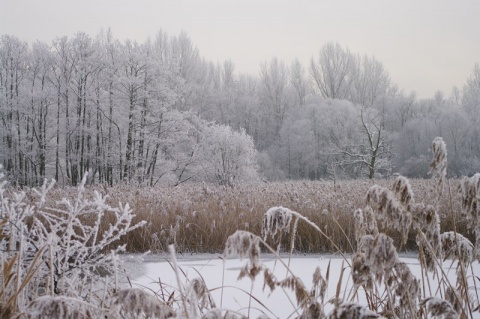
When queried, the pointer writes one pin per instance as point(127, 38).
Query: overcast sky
point(426, 45)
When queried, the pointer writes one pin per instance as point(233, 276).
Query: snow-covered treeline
point(117, 110)
point(158, 112)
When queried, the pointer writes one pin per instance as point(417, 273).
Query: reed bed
point(198, 218)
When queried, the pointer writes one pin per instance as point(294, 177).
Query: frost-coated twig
point(42, 193)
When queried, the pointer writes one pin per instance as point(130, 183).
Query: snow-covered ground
point(235, 294)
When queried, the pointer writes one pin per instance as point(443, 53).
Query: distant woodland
point(158, 113)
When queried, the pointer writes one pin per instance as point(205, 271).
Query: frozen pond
point(157, 275)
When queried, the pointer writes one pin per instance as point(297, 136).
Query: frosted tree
point(133, 68)
point(191, 70)
point(79, 136)
point(116, 108)
point(471, 105)
point(228, 156)
point(471, 93)
point(13, 69)
point(332, 71)
point(312, 135)
point(62, 69)
point(175, 156)
point(109, 145)
point(299, 82)
point(275, 97)
point(38, 131)
point(370, 81)
point(416, 122)
point(219, 100)
point(404, 109)
point(371, 153)
point(339, 74)
point(148, 90)
point(246, 104)
point(296, 148)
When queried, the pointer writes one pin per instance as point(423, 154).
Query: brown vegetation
point(199, 217)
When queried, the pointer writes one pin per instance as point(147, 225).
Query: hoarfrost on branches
point(64, 247)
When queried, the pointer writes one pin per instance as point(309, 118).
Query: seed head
point(438, 166)
point(296, 285)
point(470, 192)
point(380, 254)
point(198, 289)
point(313, 311)
point(427, 221)
point(319, 285)
point(245, 244)
point(351, 311)
point(269, 279)
point(403, 190)
point(276, 220)
point(389, 210)
point(361, 273)
point(408, 288)
point(365, 223)
point(458, 246)
point(452, 296)
point(439, 307)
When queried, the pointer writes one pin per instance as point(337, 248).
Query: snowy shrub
point(61, 250)
point(83, 249)
point(227, 155)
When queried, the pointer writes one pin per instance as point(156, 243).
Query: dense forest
point(157, 112)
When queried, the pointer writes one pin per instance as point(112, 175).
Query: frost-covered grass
point(60, 248)
point(200, 217)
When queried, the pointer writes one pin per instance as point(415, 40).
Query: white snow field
point(235, 294)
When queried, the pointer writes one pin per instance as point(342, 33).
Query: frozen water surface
point(158, 272)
